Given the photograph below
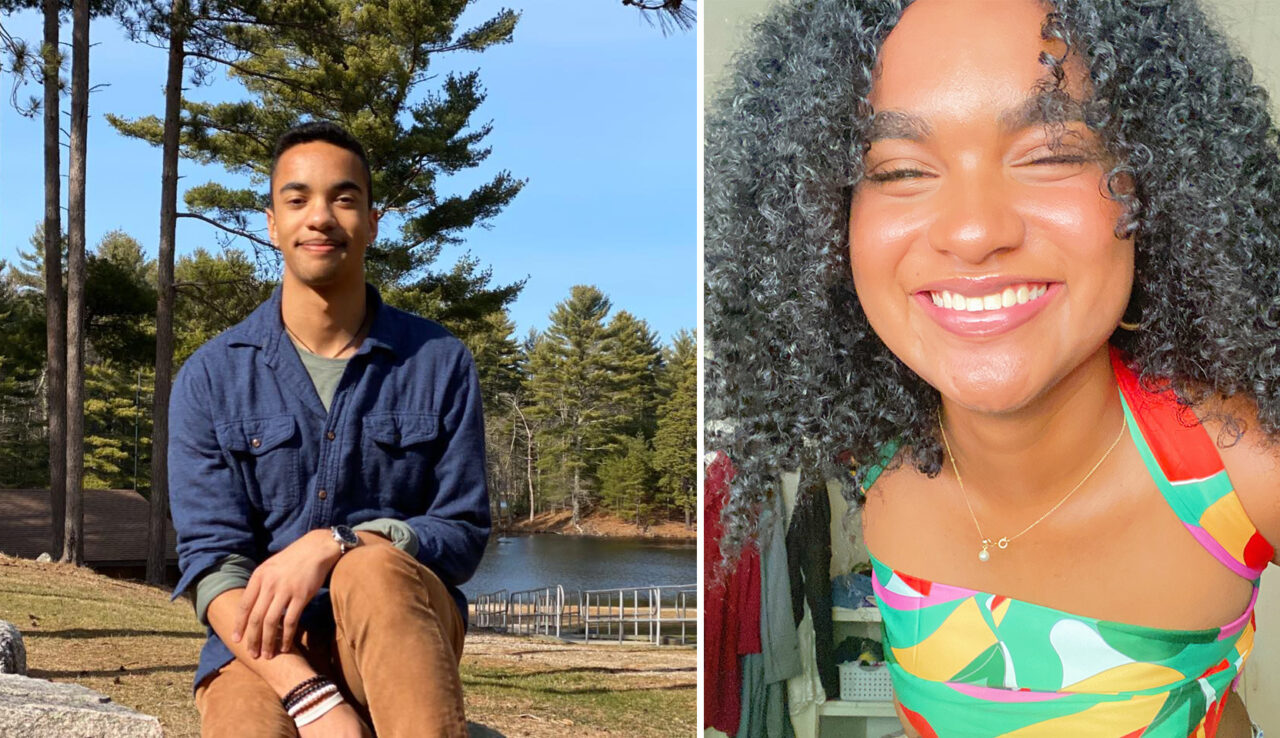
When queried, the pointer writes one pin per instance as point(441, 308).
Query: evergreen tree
point(570, 390)
point(675, 446)
point(214, 292)
point(634, 361)
point(627, 482)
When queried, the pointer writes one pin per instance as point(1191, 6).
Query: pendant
point(983, 555)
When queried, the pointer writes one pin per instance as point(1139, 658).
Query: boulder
point(35, 708)
point(44, 558)
point(13, 655)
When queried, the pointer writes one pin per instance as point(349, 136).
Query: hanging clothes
point(780, 638)
point(731, 609)
point(808, 545)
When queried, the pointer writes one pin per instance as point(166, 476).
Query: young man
point(328, 485)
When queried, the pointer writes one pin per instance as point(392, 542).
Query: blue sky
point(590, 104)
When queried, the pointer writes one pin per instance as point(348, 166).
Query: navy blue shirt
point(255, 461)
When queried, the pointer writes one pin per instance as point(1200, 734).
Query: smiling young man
point(327, 482)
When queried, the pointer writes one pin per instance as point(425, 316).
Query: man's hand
point(340, 722)
point(278, 591)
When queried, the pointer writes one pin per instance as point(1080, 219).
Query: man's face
point(320, 218)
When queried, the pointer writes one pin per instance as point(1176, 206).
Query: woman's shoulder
point(1251, 457)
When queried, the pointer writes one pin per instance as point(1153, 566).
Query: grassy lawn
point(128, 641)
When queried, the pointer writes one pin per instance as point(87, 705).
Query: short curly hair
point(795, 375)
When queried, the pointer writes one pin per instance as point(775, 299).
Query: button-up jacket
point(255, 461)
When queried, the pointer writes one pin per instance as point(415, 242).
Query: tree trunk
point(577, 510)
point(73, 540)
point(55, 298)
point(157, 527)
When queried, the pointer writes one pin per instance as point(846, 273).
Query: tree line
point(593, 412)
point(364, 64)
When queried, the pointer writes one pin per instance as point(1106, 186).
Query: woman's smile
point(977, 309)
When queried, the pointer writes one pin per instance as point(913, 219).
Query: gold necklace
point(354, 338)
point(1004, 542)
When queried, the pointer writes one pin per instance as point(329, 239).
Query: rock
point(13, 655)
point(35, 708)
point(44, 558)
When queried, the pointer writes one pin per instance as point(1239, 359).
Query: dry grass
point(128, 641)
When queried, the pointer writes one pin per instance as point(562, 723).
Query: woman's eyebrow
point(897, 124)
point(1037, 110)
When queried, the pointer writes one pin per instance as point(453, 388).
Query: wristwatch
point(346, 538)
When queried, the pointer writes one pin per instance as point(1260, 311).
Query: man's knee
point(382, 573)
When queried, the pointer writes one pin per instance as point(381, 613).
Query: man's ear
point(271, 226)
point(374, 215)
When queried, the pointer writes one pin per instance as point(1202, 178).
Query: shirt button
point(330, 435)
point(255, 442)
point(322, 494)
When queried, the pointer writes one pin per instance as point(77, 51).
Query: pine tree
point(634, 361)
point(570, 390)
point(675, 446)
point(627, 481)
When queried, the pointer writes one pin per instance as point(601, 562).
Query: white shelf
point(860, 615)
point(843, 708)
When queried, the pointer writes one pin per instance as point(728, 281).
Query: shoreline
point(599, 525)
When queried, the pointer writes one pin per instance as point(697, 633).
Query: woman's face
point(984, 257)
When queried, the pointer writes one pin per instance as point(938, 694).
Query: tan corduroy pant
point(394, 654)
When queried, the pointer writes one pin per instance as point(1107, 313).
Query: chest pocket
point(399, 452)
point(267, 453)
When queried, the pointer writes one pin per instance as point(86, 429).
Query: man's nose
point(976, 218)
point(320, 216)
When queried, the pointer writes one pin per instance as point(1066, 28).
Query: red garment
point(731, 611)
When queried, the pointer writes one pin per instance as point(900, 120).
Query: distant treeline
point(592, 412)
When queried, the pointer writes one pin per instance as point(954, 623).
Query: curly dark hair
point(795, 376)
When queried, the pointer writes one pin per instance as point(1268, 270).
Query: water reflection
point(515, 563)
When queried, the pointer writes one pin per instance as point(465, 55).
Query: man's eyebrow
point(296, 186)
point(347, 185)
point(1040, 110)
point(897, 124)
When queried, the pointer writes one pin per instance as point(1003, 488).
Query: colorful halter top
point(968, 663)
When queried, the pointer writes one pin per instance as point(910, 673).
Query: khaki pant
point(394, 655)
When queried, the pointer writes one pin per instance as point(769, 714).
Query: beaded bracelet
point(302, 688)
point(306, 703)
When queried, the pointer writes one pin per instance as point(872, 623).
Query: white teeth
point(1008, 297)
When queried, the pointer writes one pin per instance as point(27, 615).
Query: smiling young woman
point(925, 229)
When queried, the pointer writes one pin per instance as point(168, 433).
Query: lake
point(517, 563)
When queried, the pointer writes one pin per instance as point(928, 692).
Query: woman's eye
point(895, 175)
point(1060, 159)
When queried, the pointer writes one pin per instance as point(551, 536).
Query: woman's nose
point(976, 218)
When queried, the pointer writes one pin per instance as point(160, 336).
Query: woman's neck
point(325, 320)
point(1037, 452)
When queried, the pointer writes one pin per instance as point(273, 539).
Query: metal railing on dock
point(653, 614)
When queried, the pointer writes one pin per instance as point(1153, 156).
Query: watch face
point(345, 535)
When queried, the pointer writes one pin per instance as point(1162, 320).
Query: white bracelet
point(313, 714)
